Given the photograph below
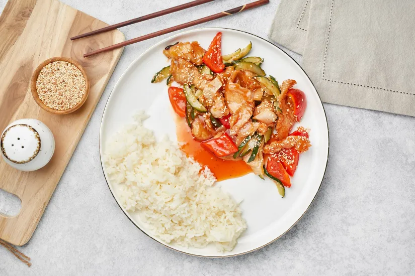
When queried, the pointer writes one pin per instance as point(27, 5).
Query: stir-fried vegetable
point(281, 189)
point(204, 70)
point(276, 170)
point(238, 54)
point(289, 160)
point(249, 66)
point(228, 101)
point(161, 75)
point(268, 84)
point(258, 141)
point(213, 56)
point(177, 100)
point(190, 114)
point(299, 102)
point(225, 121)
point(215, 122)
point(241, 146)
point(267, 135)
point(256, 60)
point(191, 98)
point(221, 146)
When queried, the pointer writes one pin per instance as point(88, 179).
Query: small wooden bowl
point(36, 95)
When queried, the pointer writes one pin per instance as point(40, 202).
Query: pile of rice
point(172, 193)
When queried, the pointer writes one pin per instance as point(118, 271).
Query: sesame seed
point(60, 85)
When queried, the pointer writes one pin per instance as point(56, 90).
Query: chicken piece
point(247, 129)
point(285, 86)
point(211, 89)
point(258, 94)
point(262, 128)
point(201, 81)
point(191, 52)
point(286, 117)
point(286, 120)
point(200, 131)
point(237, 96)
point(184, 72)
point(219, 107)
point(225, 75)
point(300, 143)
point(239, 118)
point(245, 79)
point(208, 123)
point(264, 112)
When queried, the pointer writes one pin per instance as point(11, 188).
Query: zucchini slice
point(269, 85)
point(245, 151)
point(242, 145)
point(204, 70)
point(169, 79)
point(267, 135)
point(189, 113)
point(215, 122)
point(244, 51)
point(278, 183)
point(256, 60)
point(161, 75)
point(192, 114)
point(249, 66)
point(230, 57)
point(256, 148)
point(238, 54)
point(191, 98)
point(275, 82)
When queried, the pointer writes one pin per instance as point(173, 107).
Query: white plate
point(268, 216)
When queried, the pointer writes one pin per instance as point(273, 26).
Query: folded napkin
point(357, 53)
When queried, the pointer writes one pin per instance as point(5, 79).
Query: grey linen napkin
point(357, 53)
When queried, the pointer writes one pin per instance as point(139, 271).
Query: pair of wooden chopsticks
point(168, 30)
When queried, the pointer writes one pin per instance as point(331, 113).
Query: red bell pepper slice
point(299, 100)
point(213, 56)
point(276, 169)
point(225, 121)
point(289, 159)
point(177, 100)
point(221, 146)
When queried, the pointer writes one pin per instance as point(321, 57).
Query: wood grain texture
point(31, 32)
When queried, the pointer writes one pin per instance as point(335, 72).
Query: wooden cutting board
point(32, 31)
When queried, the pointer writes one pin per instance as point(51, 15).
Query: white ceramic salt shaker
point(27, 144)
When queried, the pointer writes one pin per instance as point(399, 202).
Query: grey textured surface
point(361, 221)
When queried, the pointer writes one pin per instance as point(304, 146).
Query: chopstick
point(179, 27)
point(144, 18)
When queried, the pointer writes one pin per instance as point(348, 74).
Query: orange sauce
point(222, 169)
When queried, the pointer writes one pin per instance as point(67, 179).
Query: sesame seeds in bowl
point(59, 85)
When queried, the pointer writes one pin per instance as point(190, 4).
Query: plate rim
point(156, 45)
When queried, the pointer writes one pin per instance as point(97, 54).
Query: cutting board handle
point(20, 227)
point(11, 201)
point(9, 219)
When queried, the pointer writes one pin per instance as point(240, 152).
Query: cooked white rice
point(172, 193)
